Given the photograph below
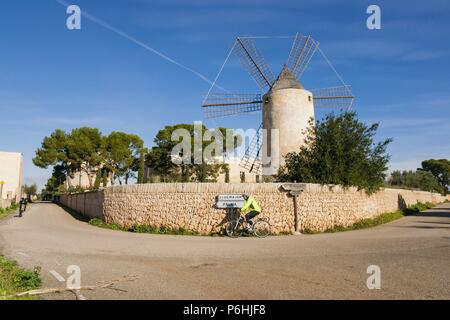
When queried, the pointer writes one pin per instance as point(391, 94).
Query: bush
point(142, 228)
point(14, 279)
point(100, 223)
point(419, 179)
point(339, 150)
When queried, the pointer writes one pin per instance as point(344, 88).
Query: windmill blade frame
point(333, 97)
point(254, 62)
point(217, 105)
point(303, 48)
point(252, 159)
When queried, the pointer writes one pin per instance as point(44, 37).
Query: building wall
point(81, 179)
point(11, 166)
point(233, 165)
point(191, 205)
point(235, 173)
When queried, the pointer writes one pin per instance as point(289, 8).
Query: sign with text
point(225, 201)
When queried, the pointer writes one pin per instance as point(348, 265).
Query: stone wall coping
point(192, 187)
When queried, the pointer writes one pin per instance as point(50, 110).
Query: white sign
point(224, 201)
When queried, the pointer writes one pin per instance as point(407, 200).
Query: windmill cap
point(286, 80)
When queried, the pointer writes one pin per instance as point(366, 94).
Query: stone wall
point(89, 204)
point(191, 205)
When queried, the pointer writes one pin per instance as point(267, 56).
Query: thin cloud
point(48, 121)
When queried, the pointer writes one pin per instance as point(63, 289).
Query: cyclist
point(22, 206)
point(252, 207)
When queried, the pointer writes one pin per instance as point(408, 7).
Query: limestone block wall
point(191, 205)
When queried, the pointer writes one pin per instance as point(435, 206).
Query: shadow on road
point(425, 227)
point(435, 212)
point(432, 222)
point(74, 214)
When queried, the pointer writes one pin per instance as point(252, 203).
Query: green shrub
point(6, 211)
point(100, 223)
point(14, 279)
point(142, 228)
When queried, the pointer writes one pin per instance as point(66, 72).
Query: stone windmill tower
point(287, 107)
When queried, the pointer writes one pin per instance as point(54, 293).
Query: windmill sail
point(254, 62)
point(222, 105)
point(251, 161)
point(334, 97)
point(302, 50)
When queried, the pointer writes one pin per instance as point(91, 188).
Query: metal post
point(230, 213)
point(1, 193)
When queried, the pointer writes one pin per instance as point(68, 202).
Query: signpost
point(230, 202)
point(295, 190)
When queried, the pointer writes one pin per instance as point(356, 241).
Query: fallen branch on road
point(76, 292)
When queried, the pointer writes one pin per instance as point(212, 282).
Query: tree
point(122, 152)
point(55, 183)
point(339, 150)
point(54, 152)
point(85, 150)
point(161, 157)
point(30, 190)
point(415, 179)
point(140, 165)
point(441, 170)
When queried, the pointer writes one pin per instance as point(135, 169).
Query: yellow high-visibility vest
point(251, 205)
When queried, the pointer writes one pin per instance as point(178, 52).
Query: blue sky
point(51, 77)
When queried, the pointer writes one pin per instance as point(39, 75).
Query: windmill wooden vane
point(286, 105)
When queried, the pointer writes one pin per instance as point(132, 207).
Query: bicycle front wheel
point(233, 229)
point(261, 229)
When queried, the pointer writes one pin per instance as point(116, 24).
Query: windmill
point(286, 107)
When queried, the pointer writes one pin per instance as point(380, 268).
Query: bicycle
point(21, 210)
point(235, 228)
point(22, 206)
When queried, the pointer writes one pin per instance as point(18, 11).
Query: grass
point(163, 230)
point(143, 228)
point(14, 279)
point(381, 219)
point(6, 211)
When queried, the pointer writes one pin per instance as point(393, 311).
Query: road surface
point(413, 254)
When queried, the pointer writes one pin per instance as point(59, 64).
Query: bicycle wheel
point(261, 229)
point(233, 229)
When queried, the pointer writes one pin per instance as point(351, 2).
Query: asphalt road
point(413, 254)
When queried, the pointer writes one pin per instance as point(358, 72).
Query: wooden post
point(295, 213)
point(297, 223)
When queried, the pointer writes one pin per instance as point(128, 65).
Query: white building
point(11, 167)
point(236, 172)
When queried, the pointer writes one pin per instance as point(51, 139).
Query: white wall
point(11, 164)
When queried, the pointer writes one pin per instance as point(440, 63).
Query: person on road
point(252, 207)
point(22, 206)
